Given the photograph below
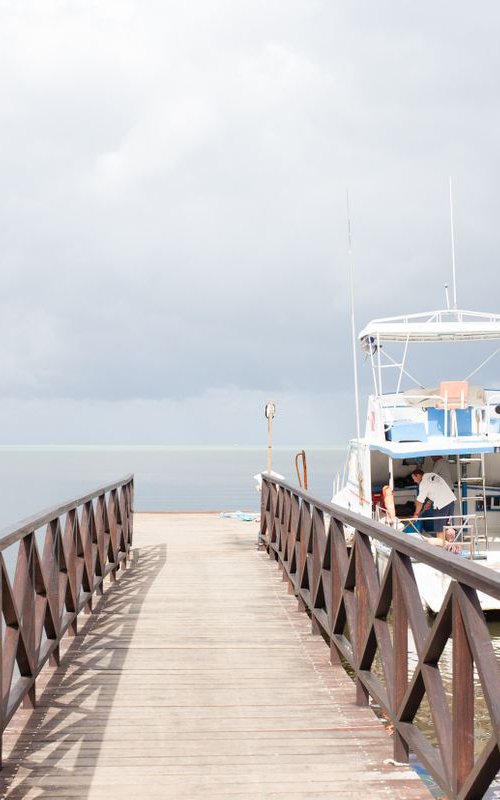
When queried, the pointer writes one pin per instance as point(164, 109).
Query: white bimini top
point(434, 326)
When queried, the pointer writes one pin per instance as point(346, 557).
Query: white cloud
point(30, 348)
point(159, 143)
point(173, 175)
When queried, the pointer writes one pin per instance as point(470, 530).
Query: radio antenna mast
point(353, 324)
point(453, 248)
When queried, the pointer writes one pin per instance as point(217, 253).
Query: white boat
point(457, 420)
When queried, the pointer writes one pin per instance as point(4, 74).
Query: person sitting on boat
point(433, 488)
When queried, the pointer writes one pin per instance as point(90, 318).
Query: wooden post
point(29, 699)
point(362, 609)
point(317, 531)
point(400, 665)
point(263, 509)
point(55, 657)
point(463, 702)
point(336, 583)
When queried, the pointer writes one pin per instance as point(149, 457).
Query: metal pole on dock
point(270, 412)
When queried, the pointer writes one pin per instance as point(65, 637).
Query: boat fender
point(388, 496)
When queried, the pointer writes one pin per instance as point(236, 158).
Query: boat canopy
point(433, 326)
point(400, 450)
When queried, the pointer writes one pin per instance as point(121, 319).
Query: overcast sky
point(172, 206)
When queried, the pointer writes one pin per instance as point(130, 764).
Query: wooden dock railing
point(51, 566)
point(367, 620)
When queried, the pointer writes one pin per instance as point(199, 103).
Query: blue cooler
point(413, 527)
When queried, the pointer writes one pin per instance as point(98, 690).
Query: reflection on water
point(423, 719)
point(482, 722)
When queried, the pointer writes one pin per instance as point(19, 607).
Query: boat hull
point(433, 584)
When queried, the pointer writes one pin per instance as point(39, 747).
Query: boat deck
point(197, 677)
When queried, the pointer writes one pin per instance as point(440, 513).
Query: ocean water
point(166, 478)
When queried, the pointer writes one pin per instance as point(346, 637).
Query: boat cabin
point(457, 420)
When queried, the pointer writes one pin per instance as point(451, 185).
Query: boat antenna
point(353, 324)
point(447, 296)
point(453, 248)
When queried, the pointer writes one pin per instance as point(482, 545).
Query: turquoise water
point(166, 478)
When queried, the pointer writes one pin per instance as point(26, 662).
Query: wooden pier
point(195, 676)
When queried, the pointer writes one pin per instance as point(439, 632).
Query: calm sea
point(166, 478)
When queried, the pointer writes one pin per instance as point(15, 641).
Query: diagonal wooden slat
point(100, 514)
point(428, 754)
point(430, 673)
point(285, 528)
point(318, 540)
point(50, 570)
point(40, 600)
point(113, 526)
point(463, 701)
point(483, 773)
point(305, 535)
point(293, 541)
point(15, 649)
point(337, 552)
point(378, 634)
point(386, 590)
point(273, 500)
point(87, 535)
point(412, 601)
point(390, 591)
point(437, 638)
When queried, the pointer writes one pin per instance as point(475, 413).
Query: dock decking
point(197, 677)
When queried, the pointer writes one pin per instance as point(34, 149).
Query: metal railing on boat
point(462, 530)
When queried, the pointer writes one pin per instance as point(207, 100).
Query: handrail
point(362, 614)
point(12, 533)
point(486, 580)
point(458, 522)
point(65, 552)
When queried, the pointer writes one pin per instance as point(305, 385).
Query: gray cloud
point(172, 220)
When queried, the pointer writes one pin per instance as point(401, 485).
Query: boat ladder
point(471, 484)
